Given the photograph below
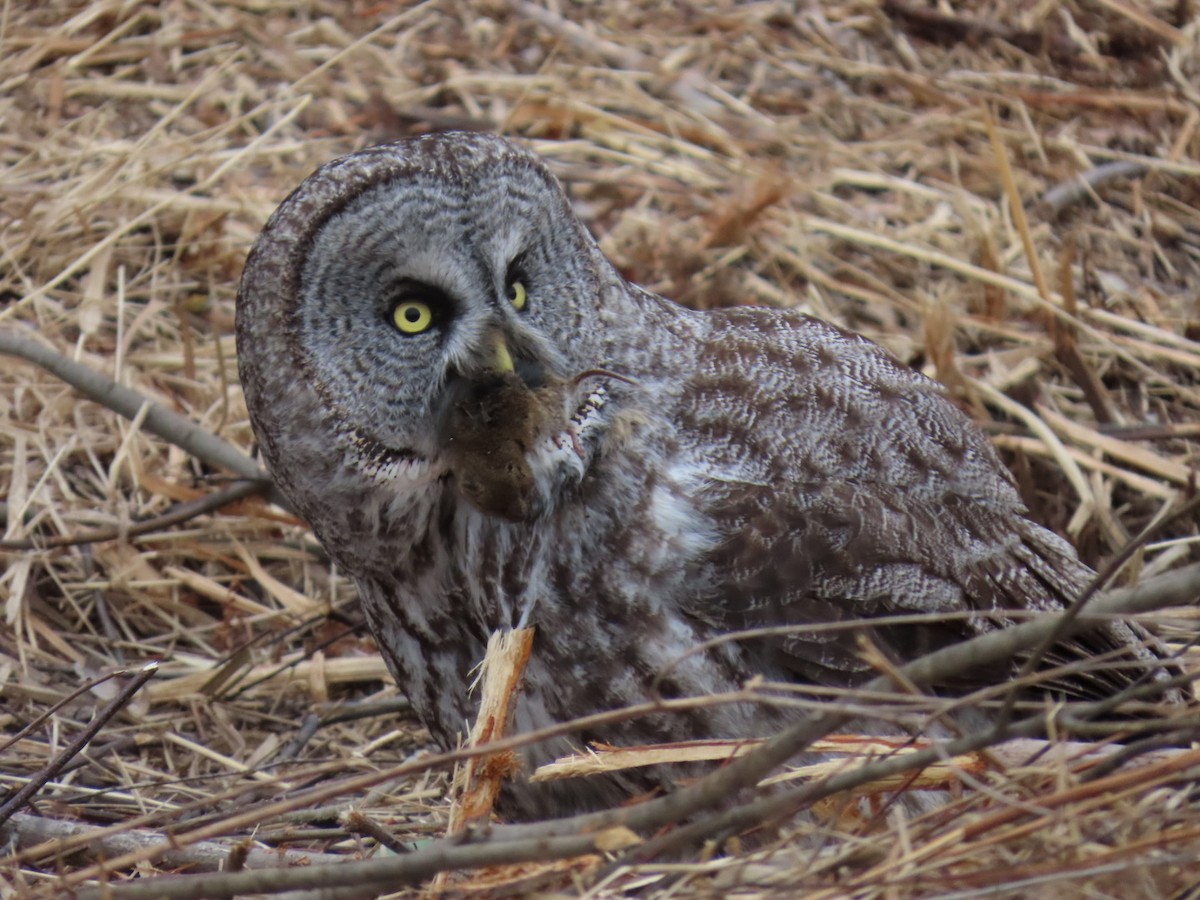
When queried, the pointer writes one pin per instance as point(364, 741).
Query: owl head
point(411, 296)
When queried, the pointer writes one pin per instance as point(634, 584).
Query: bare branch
point(177, 514)
point(1067, 193)
point(22, 795)
point(27, 830)
point(159, 421)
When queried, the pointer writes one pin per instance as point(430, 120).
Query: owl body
point(554, 447)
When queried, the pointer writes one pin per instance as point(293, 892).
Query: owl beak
point(500, 360)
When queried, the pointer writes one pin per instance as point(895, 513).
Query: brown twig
point(171, 820)
point(110, 709)
point(36, 722)
point(176, 515)
point(357, 822)
point(763, 811)
point(26, 830)
point(159, 421)
point(1063, 623)
point(1063, 196)
point(1066, 346)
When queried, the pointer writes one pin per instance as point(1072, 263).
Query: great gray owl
point(487, 426)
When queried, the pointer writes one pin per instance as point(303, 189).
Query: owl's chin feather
point(383, 464)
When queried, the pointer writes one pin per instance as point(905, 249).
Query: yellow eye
point(412, 316)
point(516, 295)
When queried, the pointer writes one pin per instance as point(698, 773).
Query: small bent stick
point(159, 421)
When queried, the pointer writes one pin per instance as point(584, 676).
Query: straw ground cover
point(1008, 199)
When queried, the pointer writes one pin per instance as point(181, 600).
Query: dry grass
point(854, 159)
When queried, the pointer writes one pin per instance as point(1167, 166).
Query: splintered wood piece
point(477, 781)
point(602, 758)
point(1015, 754)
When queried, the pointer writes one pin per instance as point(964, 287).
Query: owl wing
point(862, 493)
point(854, 553)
